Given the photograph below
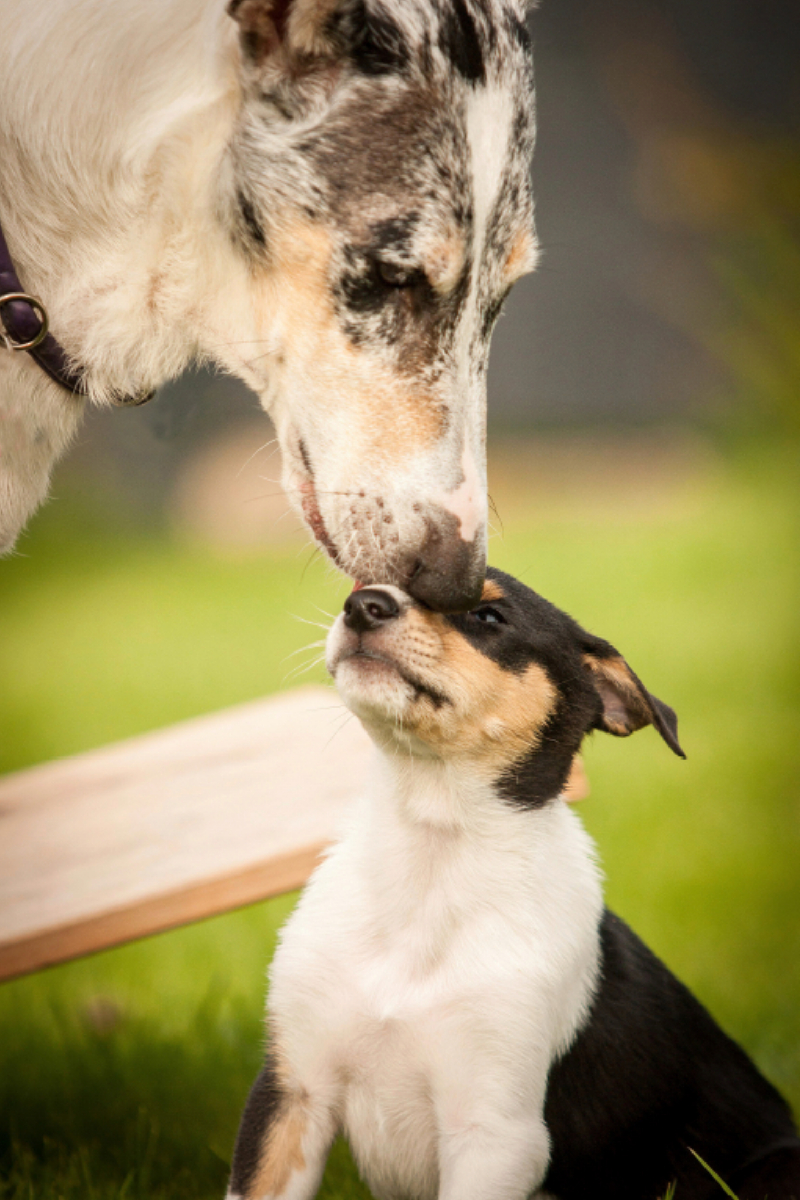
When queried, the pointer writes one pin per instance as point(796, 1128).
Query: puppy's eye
point(488, 616)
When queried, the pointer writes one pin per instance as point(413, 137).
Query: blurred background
point(644, 453)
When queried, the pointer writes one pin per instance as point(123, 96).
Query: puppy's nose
point(369, 608)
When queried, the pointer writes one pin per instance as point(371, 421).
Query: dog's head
point(511, 688)
point(378, 183)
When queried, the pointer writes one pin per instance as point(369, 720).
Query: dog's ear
point(627, 704)
point(287, 33)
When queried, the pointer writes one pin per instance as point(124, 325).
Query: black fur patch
point(648, 1076)
point(491, 313)
point(518, 31)
point(263, 1105)
point(251, 221)
point(385, 298)
point(360, 287)
point(534, 780)
point(395, 233)
point(379, 47)
point(460, 44)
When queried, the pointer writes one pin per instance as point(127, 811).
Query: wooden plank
point(172, 826)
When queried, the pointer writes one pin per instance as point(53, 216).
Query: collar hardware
point(39, 312)
point(24, 325)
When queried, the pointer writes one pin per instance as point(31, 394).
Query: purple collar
point(24, 326)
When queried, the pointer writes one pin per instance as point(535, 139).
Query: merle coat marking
point(328, 198)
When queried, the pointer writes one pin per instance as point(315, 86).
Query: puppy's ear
point(627, 704)
point(284, 32)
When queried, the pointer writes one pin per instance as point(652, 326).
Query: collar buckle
point(40, 313)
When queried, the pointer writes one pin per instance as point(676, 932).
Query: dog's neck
point(456, 798)
point(433, 793)
point(440, 847)
point(126, 168)
point(458, 791)
point(111, 205)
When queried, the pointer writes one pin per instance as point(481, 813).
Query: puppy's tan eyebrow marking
point(491, 591)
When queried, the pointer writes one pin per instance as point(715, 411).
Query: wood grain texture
point(172, 826)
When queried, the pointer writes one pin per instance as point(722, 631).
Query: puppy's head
point(511, 688)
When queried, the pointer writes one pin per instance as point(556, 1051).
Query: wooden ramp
point(172, 826)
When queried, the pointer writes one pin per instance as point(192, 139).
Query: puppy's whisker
point(304, 668)
point(307, 621)
point(302, 649)
point(346, 719)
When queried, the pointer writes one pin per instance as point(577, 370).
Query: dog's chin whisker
point(272, 442)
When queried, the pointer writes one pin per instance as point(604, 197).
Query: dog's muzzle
point(447, 572)
point(375, 536)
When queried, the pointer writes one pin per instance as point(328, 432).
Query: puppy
point(451, 992)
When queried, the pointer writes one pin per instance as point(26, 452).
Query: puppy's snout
point(369, 608)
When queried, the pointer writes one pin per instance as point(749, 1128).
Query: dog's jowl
point(451, 992)
point(329, 198)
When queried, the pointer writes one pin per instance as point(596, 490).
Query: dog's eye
point(394, 275)
point(488, 616)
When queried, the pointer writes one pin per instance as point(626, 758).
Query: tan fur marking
point(283, 1152)
point(577, 786)
point(283, 1155)
point(445, 263)
point(312, 333)
point(494, 716)
point(521, 256)
point(625, 708)
point(307, 21)
point(491, 591)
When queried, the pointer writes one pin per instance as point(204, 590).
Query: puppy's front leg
point(496, 1160)
point(283, 1140)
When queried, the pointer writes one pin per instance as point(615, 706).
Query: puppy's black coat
point(650, 1077)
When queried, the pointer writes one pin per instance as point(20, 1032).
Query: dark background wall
point(655, 121)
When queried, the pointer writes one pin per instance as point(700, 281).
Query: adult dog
point(328, 198)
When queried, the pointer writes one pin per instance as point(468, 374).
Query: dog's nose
point(448, 574)
point(369, 608)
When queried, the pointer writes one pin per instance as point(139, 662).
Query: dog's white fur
point(440, 919)
point(120, 166)
point(114, 120)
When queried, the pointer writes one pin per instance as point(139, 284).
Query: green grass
point(123, 1075)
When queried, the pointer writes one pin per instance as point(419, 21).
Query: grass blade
point(714, 1175)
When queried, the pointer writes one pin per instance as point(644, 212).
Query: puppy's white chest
point(428, 979)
